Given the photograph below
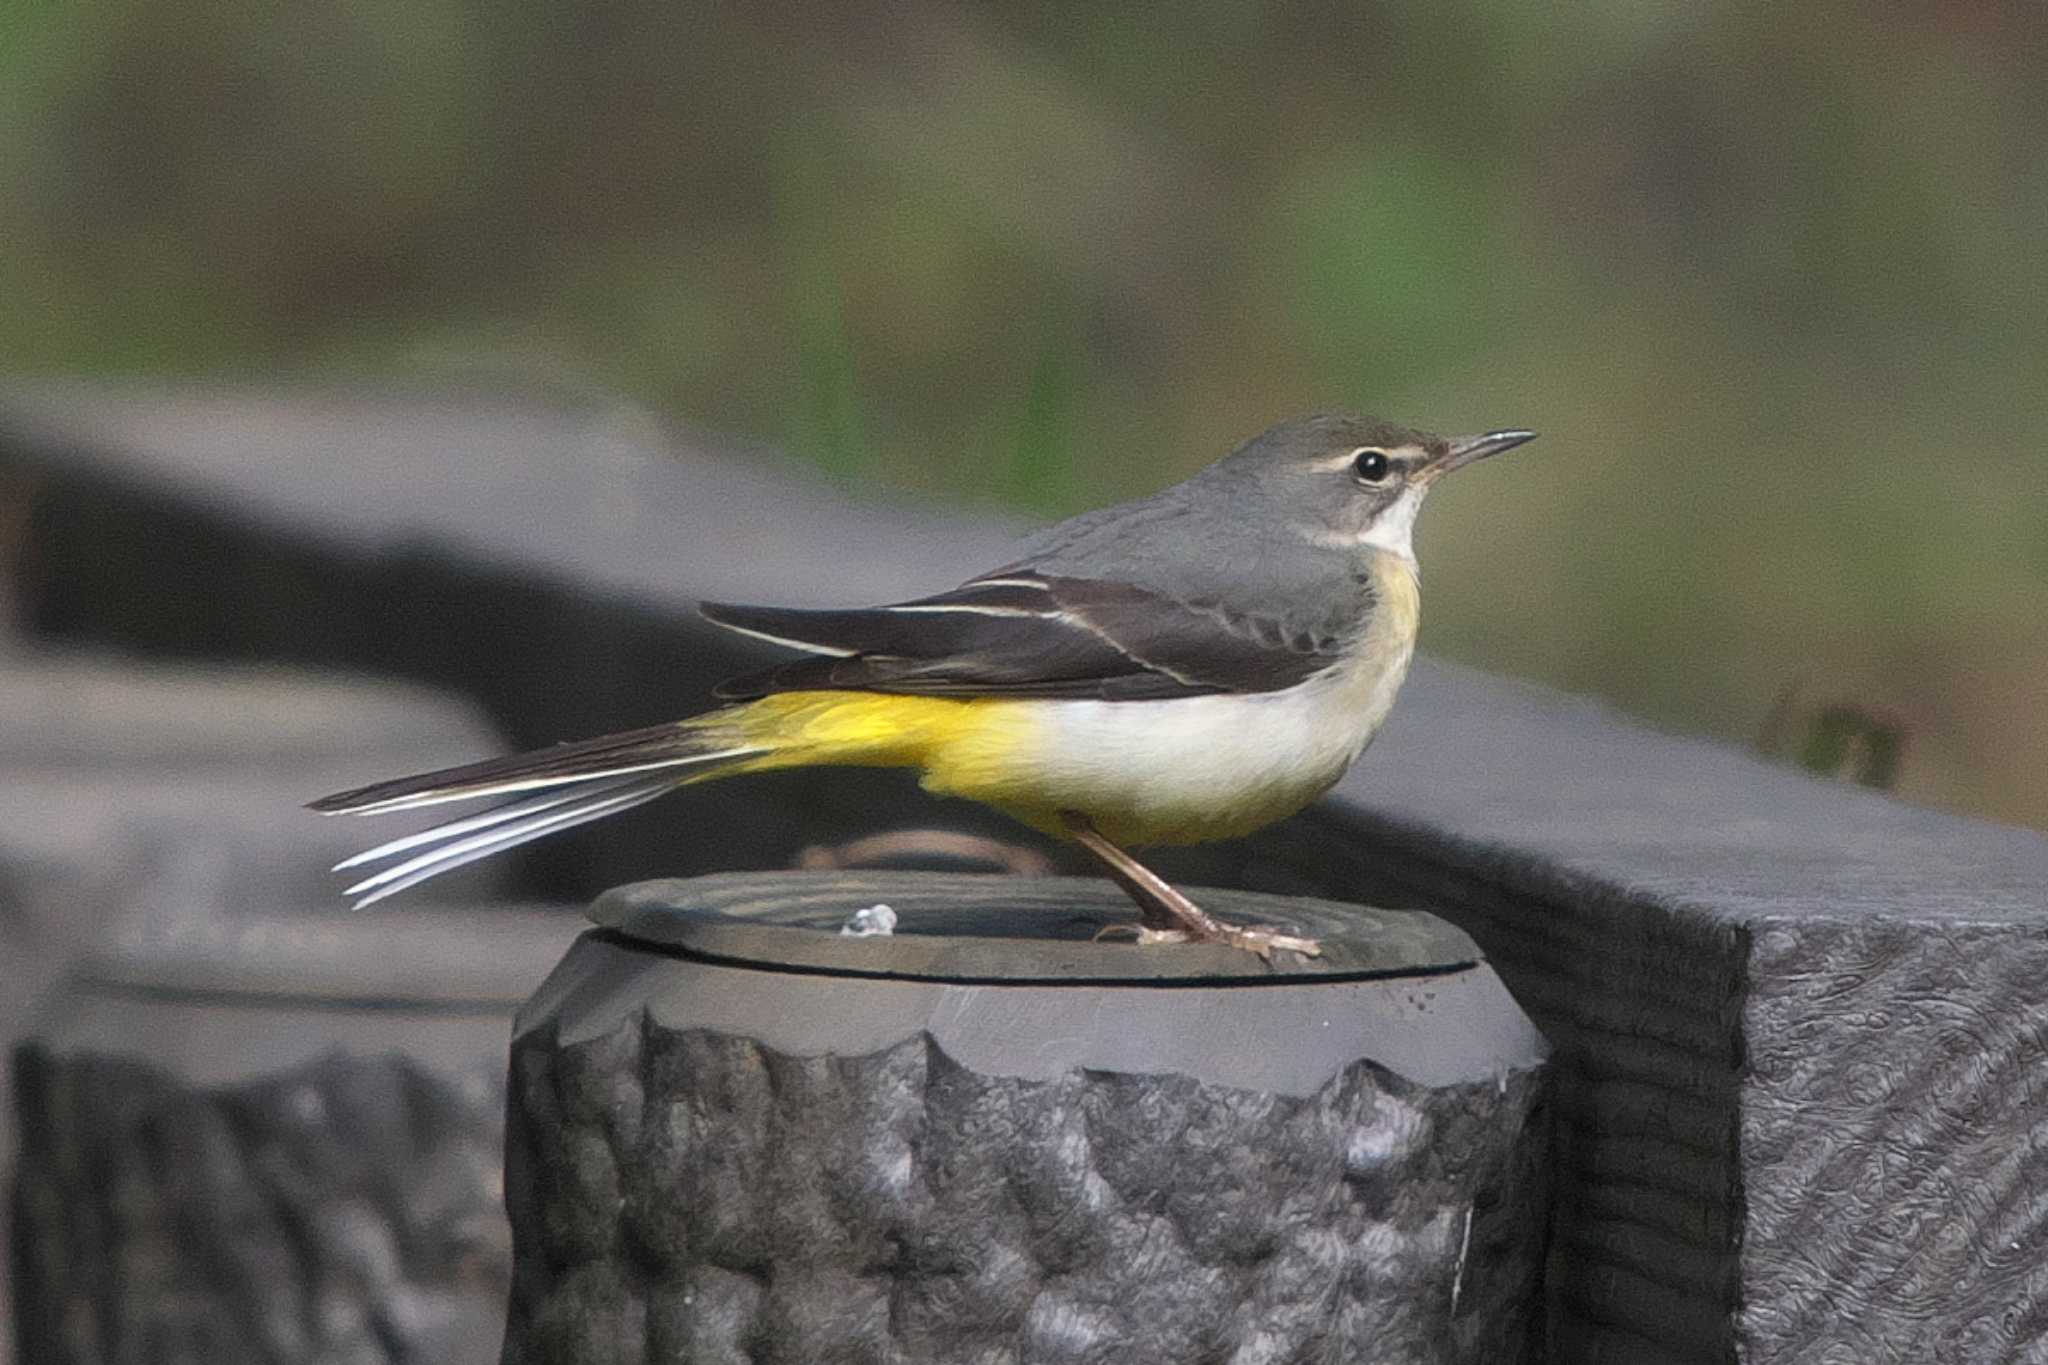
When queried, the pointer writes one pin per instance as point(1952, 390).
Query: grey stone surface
point(216, 1001)
point(1897, 1089)
point(1742, 968)
point(138, 798)
point(1800, 1072)
point(713, 1162)
point(84, 711)
point(185, 784)
point(345, 1211)
point(383, 475)
point(273, 1142)
point(150, 791)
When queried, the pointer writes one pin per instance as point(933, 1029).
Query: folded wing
point(1025, 634)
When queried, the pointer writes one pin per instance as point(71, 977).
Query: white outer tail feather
point(539, 782)
point(460, 842)
point(562, 802)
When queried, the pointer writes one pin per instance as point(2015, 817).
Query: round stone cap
point(993, 929)
point(217, 1000)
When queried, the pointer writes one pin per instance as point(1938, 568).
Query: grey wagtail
point(1190, 666)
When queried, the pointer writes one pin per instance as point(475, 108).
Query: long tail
point(570, 784)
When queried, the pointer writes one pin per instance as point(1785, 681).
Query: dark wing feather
point(1024, 634)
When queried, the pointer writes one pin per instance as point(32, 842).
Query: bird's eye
point(1371, 466)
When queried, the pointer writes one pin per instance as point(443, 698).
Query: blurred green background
point(1771, 280)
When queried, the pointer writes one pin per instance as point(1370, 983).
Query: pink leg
point(1167, 915)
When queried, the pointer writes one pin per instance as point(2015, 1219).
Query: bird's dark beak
point(1466, 450)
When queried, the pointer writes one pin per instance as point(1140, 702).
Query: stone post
point(736, 1134)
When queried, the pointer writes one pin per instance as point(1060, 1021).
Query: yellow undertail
point(966, 747)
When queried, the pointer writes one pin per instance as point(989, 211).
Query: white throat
point(1394, 529)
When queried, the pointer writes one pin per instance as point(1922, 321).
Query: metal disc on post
point(737, 1133)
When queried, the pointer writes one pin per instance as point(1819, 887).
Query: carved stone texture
point(1901, 1116)
point(718, 1161)
point(345, 1211)
point(273, 1142)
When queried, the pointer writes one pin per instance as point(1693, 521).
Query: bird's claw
point(1261, 939)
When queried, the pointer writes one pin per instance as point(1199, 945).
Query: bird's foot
point(1262, 939)
point(1169, 916)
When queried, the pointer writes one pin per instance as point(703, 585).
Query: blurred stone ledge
point(127, 783)
point(158, 802)
point(1799, 1028)
point(274, 1140)
point(150, 796)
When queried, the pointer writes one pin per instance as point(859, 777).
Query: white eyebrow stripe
point(1037, 583)
point(1342, 461)
point(1402, 455)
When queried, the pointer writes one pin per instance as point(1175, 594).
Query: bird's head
point(1346, 480)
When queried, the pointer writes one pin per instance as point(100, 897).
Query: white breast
point(1200, 768)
